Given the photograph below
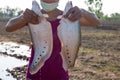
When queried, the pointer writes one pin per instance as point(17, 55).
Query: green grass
point(74, 69)
point(101, 35)
point(89, 51)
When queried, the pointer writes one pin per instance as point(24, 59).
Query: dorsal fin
point(67, 7)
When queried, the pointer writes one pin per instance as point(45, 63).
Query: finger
point(34, 18)
point(27, 15)
point(73, 16)
point(30, 16)
point(76, 17)
point(27, 12)
point(33, 14)
point(30, 12)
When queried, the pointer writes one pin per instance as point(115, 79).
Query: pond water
point(7, 62)
point(15, 48)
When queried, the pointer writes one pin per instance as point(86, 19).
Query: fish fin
point(36, 8)
point(67, 7)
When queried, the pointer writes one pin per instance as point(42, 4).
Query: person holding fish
point(58, 46)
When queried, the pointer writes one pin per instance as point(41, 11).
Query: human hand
point(30, 16)
point(73, 14)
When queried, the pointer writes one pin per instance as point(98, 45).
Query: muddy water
point(14, 48)
point(7, 62)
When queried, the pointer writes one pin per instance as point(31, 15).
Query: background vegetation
point(94, 6)
point(7, 13)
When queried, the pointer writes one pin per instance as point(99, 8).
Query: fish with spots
point(70, 36)
point(41, 35)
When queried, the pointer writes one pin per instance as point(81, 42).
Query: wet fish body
point(41, 35)
point(70, 36)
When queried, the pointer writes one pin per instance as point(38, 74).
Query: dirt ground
point(98, 57)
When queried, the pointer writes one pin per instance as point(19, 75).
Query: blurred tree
point(115, 15)
point(95, 6)
point(19, 12)
point(7, 12)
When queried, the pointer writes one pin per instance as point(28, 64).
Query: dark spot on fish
point(45, 41)
point(12, 50)
point(43, 51)
point(44, 47)
point(67, 50)
point(68, 57)
point(33, 65)
point(69, 61)
point(67, 53)
point(66, 45)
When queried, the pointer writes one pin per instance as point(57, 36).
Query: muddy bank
point(18, 72)
point(16, 56)
point(86, 68)
point(99, 58)
point(13, 49)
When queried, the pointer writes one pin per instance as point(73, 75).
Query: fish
point(42, 38)
point(69, 34)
